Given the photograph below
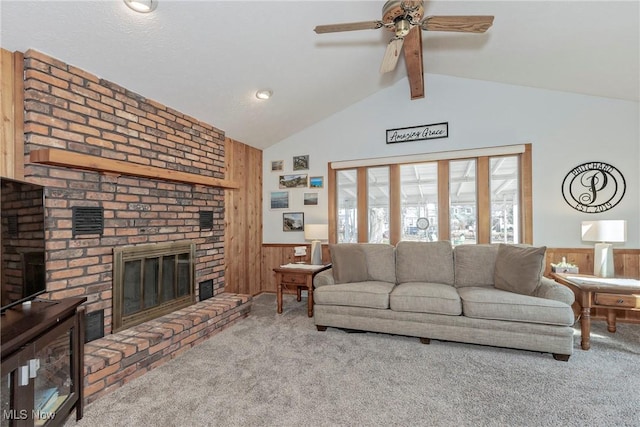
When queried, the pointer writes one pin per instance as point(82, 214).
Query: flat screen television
point(22, 255)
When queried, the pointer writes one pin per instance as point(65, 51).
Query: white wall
point(565, 130)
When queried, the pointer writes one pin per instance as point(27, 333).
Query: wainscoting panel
point(626, 261)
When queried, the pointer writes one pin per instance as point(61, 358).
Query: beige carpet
point(277, 370)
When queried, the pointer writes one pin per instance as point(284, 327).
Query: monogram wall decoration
point(593, 187)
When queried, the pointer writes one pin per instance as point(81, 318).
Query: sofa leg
point(425, 340)
point(321, 328)
point(561, 357)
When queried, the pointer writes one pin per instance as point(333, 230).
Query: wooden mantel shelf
point(56, 157)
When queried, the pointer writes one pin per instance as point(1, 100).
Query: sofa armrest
point(550, 289)
point(324, 278)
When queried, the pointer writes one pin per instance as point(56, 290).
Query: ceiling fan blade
point(350, 26)
point(463, 24)
point(413, 61)
point(391, 56)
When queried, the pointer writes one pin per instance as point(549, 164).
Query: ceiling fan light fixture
point(142, 6)
point(264, 94)
point(404, 18)
point(402, 27)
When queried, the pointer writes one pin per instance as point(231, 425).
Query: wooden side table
point(298, 277)
point(595, 292)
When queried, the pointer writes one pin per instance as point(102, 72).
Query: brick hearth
point(119, 358)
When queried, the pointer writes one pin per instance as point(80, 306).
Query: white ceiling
point(208, 58)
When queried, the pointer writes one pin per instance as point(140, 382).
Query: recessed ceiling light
point(264, 94)
point(142, 6)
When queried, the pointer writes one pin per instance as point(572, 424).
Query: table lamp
point(604, 231)
point(316, 233)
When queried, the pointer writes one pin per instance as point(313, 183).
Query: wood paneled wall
point(11, 114)
point(626, 261)
point(243, 219)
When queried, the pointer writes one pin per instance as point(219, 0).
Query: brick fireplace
point(71, 110)
point(122, 173)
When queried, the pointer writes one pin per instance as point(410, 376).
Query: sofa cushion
point(381, 262)
point(363, 294)
point(349, 262)
point(519, 268)
point(424, 262)
point(474, 264)
point(496, 304)
point(419, 297)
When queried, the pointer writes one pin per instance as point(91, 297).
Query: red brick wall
point(70, 109)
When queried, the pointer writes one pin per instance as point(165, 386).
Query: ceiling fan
point(405, 20)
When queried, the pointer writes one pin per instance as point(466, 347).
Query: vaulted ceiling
point(208, 58)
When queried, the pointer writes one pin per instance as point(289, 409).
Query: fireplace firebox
point(150, 281)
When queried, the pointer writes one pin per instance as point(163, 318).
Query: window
point(505, 196)
point(467, 196)
point(419, 201)
point(378, 204)
point(463, 201)
point(347, 183)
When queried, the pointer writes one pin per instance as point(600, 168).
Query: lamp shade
point(604, 231)
point(316, 231)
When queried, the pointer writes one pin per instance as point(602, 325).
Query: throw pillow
point(430, 262)
point(381, 262)
point(519, 268)
point(348, 262)
point(475, 264)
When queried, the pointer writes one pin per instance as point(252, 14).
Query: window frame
point(483, 177)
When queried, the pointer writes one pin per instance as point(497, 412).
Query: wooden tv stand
point(42, 362)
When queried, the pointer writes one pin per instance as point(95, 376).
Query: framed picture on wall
point(279, 200)
point(316, 182)
point(277, 165)
point(293, 181)
point(300, 163)
point(293, 221)
point(311, 199)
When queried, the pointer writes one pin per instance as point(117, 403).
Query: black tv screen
point(22, 253)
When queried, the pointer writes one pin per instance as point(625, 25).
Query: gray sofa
point(481, 294)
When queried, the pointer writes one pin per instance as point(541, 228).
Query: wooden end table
point(597, 292)
point(299, 277)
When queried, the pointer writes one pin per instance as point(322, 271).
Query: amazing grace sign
point(418, 133)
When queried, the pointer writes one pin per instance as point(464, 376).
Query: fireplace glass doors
point(150, 281)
